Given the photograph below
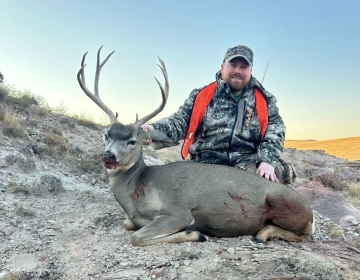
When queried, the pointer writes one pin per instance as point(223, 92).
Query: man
point(234, 129)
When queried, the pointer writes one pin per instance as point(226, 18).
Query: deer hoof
point(257, 240)
point(201, 237)
point(129, 225)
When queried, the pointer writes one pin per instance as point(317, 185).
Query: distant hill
point(346, 148)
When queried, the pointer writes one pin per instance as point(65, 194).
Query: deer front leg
point(166, 229)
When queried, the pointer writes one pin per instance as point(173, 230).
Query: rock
point(315, 162)
point(158, 272)
point(194, 254)
point(327, 202)
point(158, 261)
point(231, 256)
point(329, 177)
point(348, 220)
point(231, 250)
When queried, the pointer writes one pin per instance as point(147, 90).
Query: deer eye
point(106, 137)
point(131, 143)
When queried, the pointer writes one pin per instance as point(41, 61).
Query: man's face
point(236, 72)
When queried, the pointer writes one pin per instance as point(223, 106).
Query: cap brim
point(237, 55)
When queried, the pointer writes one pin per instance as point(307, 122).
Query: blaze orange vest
point(202, 101)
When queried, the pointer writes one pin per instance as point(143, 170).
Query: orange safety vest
point(202, 101)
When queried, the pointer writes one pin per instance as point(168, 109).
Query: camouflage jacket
point(229, 133)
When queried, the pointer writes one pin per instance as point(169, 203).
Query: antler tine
point(95, 97)
point(98, 69)
point(164, 93)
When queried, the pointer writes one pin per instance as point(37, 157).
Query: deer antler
point(164, 93)
point(95, 97)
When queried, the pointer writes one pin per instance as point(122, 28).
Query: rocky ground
point(58, 219)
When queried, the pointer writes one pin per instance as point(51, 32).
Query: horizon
point(311, 48)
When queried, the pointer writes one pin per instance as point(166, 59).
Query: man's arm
point(272, 145)
point(176, 125)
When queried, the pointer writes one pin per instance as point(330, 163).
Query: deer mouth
point(110, 162)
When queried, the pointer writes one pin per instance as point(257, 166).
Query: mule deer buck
point(182, 201)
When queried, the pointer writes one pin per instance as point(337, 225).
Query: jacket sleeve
point(272, 145)
point(176, 125)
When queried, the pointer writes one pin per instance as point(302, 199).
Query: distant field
point(347, 148)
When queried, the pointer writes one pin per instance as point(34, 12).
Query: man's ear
point(222, 68)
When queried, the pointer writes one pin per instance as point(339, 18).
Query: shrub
point(52, 183)
point(68, 121)
point(33, 122)
point(20, 210)
point(24, 164)
point(2, 115)
point(61, 109)
point(90, 163)
point(21, 99)
point(27, 99)
point(42, 112)
point(21, 188)
point(41, 101)
point(4, 92)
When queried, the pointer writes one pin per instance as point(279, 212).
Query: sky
point(312, 48)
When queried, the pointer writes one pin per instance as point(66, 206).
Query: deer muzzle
point(109, 160)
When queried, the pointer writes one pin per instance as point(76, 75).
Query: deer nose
point(107, 155)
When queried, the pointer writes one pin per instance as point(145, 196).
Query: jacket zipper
point(240, 125)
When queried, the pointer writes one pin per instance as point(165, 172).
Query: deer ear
point(158, 139)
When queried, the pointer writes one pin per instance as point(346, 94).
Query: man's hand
point(267, 171)
point(147, 127)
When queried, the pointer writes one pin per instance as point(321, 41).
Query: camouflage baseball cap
point(240, 51)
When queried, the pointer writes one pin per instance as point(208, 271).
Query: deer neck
point(125, 185)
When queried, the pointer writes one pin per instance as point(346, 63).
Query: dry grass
point(14, 275)
point(58, 144)
point(354, 190)
point(86, 120)
point(11, 125)
point(13, 187)
point(346, 148)
point(337, 233)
